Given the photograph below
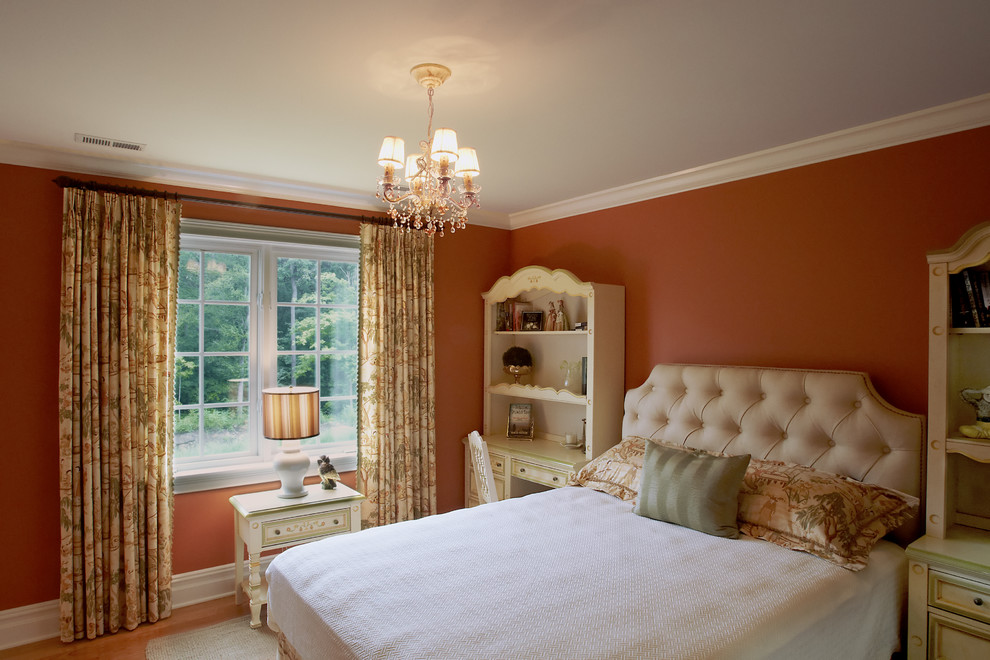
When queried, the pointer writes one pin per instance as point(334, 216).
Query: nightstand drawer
point(952, 636)
point(959, 595)
point(539, 473)
point(296, 530)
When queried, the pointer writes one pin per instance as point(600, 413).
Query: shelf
point(969, 331)
point(537, 393)
point(978, 450)
point(573, 333)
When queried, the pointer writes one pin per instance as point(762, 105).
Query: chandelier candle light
point(429, 200)
point(291, 414)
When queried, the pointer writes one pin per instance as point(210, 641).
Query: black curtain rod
point(66, 182)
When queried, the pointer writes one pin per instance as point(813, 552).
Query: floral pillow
point(616, 471)
point(834, 517)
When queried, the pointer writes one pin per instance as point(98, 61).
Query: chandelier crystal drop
point(429, 200)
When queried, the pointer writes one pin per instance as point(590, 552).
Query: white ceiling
point(561, 98)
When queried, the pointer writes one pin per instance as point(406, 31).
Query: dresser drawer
point(303, 528)
point(498, 463)
point(952, 636)
point(959, 595)
point(540, 474)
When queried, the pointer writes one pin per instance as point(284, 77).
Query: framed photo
point(520, 424)
point(532, 320)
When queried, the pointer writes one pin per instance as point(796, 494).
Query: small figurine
point(980, 400)
point(328, 475)
point(560, 323)
point(551, 320)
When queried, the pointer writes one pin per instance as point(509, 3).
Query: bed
point(636, 559)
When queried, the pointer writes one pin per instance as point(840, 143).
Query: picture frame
point(532, 321)
point(520, 421)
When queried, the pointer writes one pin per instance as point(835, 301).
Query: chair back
point(482, 464)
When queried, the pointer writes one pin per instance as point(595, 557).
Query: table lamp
point(291, 414)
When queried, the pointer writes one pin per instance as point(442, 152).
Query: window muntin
point(316, 341)
point(258, 313)
point(212, 362)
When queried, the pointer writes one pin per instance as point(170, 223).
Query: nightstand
point(264, 521)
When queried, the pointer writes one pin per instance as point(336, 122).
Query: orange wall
point(30, 216)
point(820, 266)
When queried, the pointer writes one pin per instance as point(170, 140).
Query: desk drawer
point(540, 474)
point(498, 463)
point(303, 528)
point(959, 595)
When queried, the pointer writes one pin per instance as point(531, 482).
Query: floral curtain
point(397, 437)
point(117, 328)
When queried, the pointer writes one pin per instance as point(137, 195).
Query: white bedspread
point(573, 573)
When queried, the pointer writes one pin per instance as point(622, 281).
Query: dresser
point(949, 567)
point(263, 521)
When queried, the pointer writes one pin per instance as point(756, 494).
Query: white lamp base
point(291, 466)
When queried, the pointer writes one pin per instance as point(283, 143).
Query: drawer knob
point(556, 479)
point(978, 601)
point(277, 532)
point(522, 469)
point(336, 522)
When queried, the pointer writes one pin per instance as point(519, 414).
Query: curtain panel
point(397, 435)
point(116, 361)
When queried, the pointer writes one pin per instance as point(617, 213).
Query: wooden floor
point(130, 644)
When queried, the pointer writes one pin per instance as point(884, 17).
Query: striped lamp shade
point(290, 413)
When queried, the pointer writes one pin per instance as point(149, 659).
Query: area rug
point(230, 640)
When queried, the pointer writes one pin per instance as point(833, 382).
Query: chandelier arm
point(389, 197)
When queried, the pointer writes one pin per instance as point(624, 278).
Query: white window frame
point(260, 242)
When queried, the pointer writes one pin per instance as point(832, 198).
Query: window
point(261, 307)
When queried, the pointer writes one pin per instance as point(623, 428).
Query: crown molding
point(933, 122)
point(68, 160)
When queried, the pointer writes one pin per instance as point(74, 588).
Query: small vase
point(572, 375)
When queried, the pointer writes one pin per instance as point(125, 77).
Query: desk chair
point(482, 463)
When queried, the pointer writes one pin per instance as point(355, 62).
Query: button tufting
point(885, 450)
point(831, 443)
point(763, 395)
point(857, 404)
point(807, 399)
point(783, 436)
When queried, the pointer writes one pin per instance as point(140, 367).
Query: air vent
point(109, 142)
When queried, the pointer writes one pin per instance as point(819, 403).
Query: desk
point(523, 466)
point(264, 521)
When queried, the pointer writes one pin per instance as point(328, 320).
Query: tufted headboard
point(831, 420)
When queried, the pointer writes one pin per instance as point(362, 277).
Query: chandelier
point(429, 200)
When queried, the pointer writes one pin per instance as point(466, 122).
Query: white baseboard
point(37, 622)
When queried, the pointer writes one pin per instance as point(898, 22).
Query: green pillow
point(692, 489)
